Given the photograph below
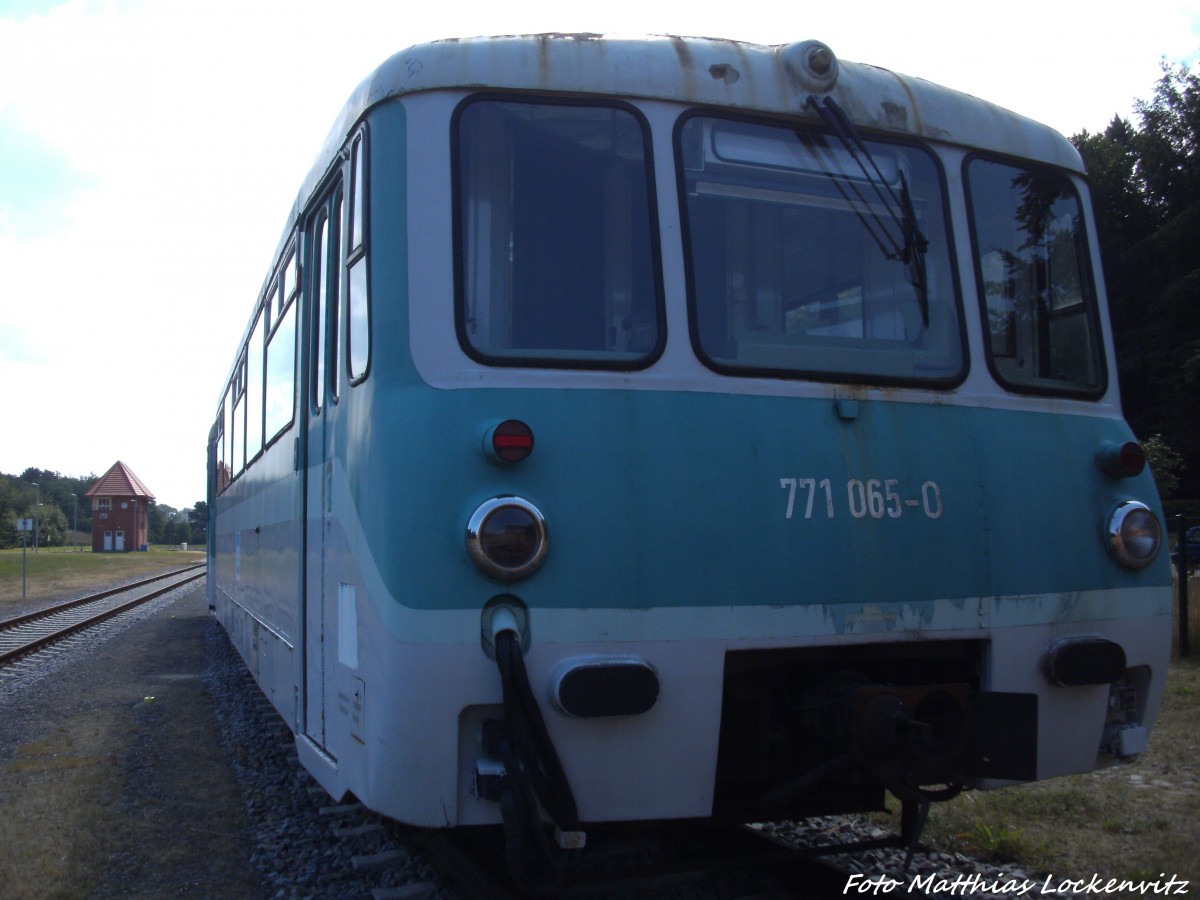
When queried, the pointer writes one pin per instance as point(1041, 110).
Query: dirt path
point(112, 779)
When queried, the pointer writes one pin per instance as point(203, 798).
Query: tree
point(198, 519)
point(1164, 463)
point(60, 496)
point(160, 518)
point(1146, 197)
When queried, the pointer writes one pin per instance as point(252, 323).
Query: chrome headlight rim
point(477, 538)
point(1117, 540)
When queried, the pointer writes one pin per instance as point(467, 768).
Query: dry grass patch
point(1132, 821)
point(60, 574)
point(60, 794)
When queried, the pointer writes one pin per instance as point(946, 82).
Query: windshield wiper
point(910, 249)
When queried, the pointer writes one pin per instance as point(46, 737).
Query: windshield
point(556, 235)
point(801, 262)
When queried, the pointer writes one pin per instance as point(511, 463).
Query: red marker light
point(511, 441)
point(1122, 460)
point(1133, 459)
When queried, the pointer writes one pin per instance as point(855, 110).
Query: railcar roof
point(704, 71)
point(699, 71)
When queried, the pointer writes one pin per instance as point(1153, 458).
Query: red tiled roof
point(119, 481)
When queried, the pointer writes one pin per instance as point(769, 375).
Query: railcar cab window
point(804, 263)
point(556, 242)
point(1035, 282)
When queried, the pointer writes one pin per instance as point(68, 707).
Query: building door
point(108, 545)
point(120, 542)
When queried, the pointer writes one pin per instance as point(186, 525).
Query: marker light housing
point(507, 538)
point(509, 442)
point(1133, 534)
point(1121, 460)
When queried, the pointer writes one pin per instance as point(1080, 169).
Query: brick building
point(120, 511)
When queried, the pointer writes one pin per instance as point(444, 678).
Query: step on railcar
point(680, 428)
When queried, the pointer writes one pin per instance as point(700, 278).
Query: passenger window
point(320, 278)
point(359, 307)
point(222, 449)
point(237, 419)
point(1034, 276)
point(337, 322)
point(281, 373)
point(254, 391)
point(557, 256)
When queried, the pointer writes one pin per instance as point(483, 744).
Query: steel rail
point(90, 598)
point(15, 653)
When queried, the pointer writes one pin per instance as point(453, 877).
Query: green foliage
point(178, 526)
point(1146, 194)
point(63, 500)
point(998, 842)
point(198, 520)
point(1164, 463)
point(19, 496)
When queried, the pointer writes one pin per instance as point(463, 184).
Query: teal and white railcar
point(673, 428)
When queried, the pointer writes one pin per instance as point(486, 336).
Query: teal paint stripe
point(675, 500)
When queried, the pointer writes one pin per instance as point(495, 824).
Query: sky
point(150, 151)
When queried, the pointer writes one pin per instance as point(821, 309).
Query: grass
point(1134, 821)
point(61, 573)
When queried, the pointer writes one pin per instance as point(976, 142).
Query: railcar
point(679, 428)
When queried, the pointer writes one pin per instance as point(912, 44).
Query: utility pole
point(37, 515)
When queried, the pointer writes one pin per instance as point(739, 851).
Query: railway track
point(25, 634)
point(692, 860)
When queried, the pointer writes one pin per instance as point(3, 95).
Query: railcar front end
point(761, 405)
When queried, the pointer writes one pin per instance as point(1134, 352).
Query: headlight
point(1134, 535)
point(507, 538)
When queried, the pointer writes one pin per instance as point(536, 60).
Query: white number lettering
point(931, 495)
point(857, 497)
point(874, 499)
point(893, 499)
point(811, 484)
point(789, 484)
point(828, 496)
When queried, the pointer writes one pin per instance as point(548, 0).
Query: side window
point(324, 279)
point(320, 292)
point(334, 313)
point(359, 311)
point(254, 391)
point(556, 252)
point(222, 464)
point(237, 418)
point(280, 396)
point(1033, 271)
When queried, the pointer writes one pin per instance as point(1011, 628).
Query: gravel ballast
point(150, 765)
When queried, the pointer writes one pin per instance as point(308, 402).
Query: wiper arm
point(915, 245)
point(912, 251)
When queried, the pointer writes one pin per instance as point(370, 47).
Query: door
point(108, 542)
point(120, 542)
point(322, 373)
